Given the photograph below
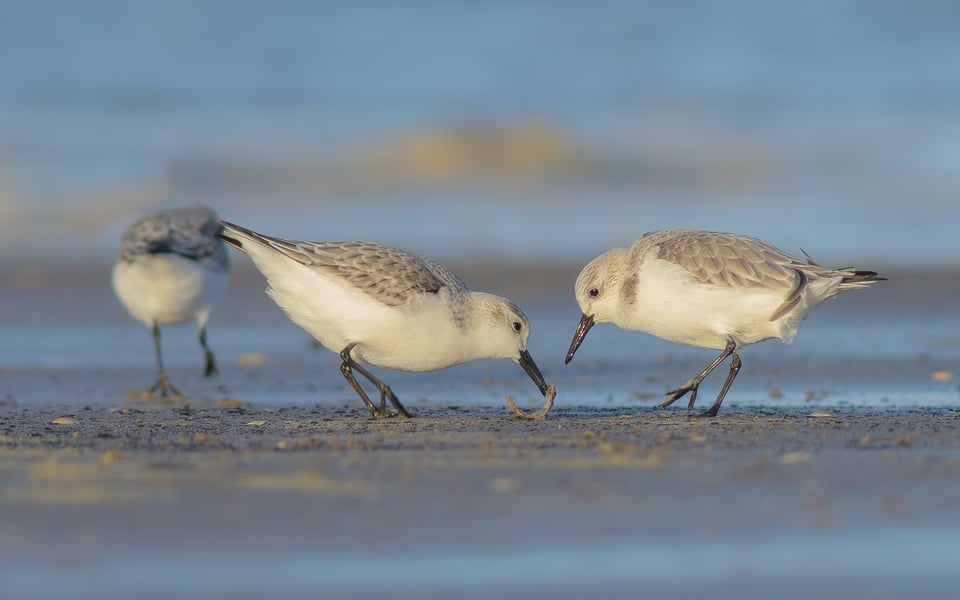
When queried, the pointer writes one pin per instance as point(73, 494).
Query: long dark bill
point(526, 361)
point(586, 322)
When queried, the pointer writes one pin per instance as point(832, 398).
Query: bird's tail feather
point(854, 279)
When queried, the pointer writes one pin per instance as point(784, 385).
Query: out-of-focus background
point(528, 130)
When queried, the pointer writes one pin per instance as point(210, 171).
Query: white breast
point(168, 289)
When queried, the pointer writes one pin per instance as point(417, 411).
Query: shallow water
point(865, 348)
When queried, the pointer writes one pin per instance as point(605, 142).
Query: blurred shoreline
point(827, 126)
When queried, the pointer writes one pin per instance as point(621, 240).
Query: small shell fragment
point(251, 359)
point(795, 458)
point(538, 415)
point(504, 485)
point(110, 457)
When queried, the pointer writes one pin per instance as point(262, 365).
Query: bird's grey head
point(186, 231)
point(504, 331)
point(598, 289)
point(503, 324)
point(599, 285)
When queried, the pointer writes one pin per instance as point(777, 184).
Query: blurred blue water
point(829, 125)
point(890, 564)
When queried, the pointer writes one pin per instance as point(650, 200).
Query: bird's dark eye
point(594, 292)
point(517, 326)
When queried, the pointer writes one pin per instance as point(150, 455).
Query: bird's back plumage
point(185, 231)
point(722, 259)
point(389, 275)
point(749, 264)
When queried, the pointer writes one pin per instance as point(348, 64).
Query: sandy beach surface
point(832, 469)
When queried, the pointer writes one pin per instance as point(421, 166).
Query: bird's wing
point(389, 275)
point(734, 261)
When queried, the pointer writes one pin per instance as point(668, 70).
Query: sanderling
point(713, 290)
point(384, 307)
point(171, 269)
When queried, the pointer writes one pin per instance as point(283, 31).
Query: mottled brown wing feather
point(389, 275)
point(734, 261)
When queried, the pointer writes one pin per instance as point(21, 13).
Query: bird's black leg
point(693, 385)
point(345, 368)
point(734, 369)
point(385, 393)
point(163, 383)
point(211, 363)
point(348, 366)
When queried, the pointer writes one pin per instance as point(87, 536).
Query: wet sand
point(92, 497)
point(272, 480)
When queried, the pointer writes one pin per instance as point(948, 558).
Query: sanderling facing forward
point(707, 289)
point(384, 307)
point(171, 269)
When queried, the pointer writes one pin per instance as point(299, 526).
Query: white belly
point(168, 289)
point(406, 338)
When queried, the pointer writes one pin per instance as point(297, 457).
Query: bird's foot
point(382, 413)
point(211, 366)
point(165, 388)
point(691, 387)
point(387, 394)
point(701, 414)
point(386, 414)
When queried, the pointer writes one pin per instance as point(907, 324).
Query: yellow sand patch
point(306, 481)
point(87, 493)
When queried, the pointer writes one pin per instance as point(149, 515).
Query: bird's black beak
point(586, 322)
point(526, 361)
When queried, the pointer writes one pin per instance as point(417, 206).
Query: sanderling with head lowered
point(713, 290)
point(171, 270)
point(380, 306)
